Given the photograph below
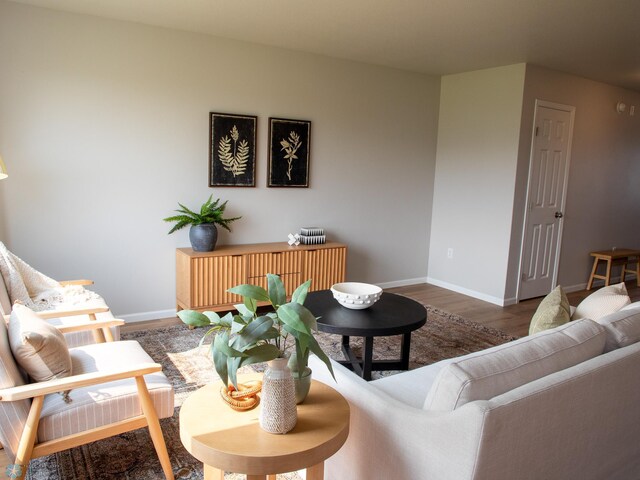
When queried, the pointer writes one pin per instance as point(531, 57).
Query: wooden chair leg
point(107, 334)
point(593, 272)
point(154, 427)
point(607, 280)
point(98, 336)
point(28, 437)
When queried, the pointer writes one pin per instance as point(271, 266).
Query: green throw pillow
point(552, 312)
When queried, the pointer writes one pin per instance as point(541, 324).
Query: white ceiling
point(598, 39)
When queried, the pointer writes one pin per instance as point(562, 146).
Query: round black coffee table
point(391, 315)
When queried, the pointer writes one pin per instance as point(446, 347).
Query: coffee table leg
point(367, 358)
point(404, 350)
point(316, 472)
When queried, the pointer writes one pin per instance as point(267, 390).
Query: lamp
point(3, 170)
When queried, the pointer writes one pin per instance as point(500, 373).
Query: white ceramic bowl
point(356, 296)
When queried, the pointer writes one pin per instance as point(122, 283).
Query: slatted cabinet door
point(325, 267)
point(287, 265)
point(211, 277)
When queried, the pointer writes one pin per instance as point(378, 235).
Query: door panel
point(545, 200)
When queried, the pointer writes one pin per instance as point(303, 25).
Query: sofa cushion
point(623, 328)
point(632, 306)
point(603, 302)
point(505, 367)
point(411, 387)
point(553, 311)
point(38, 347)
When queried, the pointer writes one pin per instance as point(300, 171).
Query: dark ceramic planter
point(203, 237)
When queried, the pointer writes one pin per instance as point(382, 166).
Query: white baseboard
point(143, 316)
point(403, 283)
point(471, 293)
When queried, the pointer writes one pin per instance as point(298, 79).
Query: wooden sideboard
point(203, 278)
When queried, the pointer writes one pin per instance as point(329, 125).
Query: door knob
point(558, 215)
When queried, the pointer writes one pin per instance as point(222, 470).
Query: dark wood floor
point(513, 319)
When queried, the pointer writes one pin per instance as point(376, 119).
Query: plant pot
point(203, 237)
point(278, 413)
point(302, 384)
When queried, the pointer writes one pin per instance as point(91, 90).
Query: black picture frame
point(289, 152)
point(232, 150)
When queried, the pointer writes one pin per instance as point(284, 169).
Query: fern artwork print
point(289, 152)
point(232, 150)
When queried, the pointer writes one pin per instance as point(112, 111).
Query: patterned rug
point(131, 455)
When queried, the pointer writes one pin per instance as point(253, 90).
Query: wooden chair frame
point(28, 446)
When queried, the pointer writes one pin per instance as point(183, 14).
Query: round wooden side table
point(226, 440)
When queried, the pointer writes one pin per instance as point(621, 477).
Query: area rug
point(131, 455)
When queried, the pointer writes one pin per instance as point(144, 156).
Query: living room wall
point(603, 198)
point(475, 180)
point(104, 127)
point(484, 143)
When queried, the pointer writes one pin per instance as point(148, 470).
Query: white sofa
point(562, 404)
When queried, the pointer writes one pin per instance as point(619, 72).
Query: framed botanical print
point(289, 149)
point(232, 150)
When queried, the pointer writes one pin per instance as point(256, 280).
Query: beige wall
point(104, 126)
point(603, 197)
point(478, 138)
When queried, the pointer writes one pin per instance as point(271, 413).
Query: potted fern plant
point(250, 337)
point(203, 233)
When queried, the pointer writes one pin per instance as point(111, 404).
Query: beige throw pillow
point(603, 302)
point(37, 346)
point(552, 312)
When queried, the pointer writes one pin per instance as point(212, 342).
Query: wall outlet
point(449, 252)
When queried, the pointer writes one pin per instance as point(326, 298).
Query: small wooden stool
point(619, 256)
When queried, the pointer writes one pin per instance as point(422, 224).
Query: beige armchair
point(70, 314)
point(115, 387)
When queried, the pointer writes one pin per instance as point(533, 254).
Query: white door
point(548, 175)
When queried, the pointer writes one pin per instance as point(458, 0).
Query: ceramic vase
point(278, 413)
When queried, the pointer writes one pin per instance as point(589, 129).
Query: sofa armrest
point(389, 439)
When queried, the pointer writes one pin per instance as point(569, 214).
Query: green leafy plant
point(249, 337)
point(210, 212)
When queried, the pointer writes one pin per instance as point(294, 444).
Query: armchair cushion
point(486, 374)
point(104, 403)
point(37, 346)
point(13, 414)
